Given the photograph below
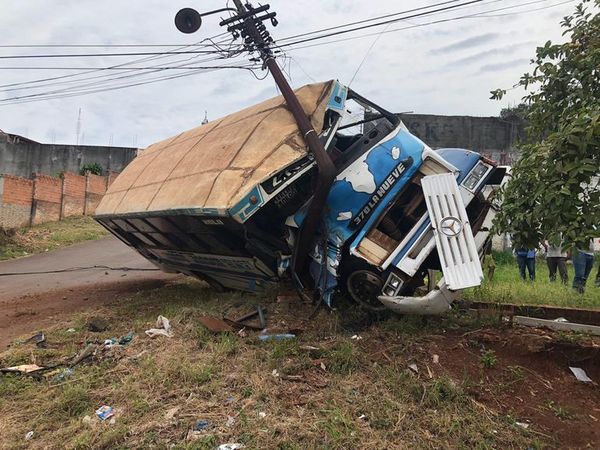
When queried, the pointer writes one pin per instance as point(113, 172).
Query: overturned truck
point(226, 202)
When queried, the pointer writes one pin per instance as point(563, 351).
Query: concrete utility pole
point(324, 163)
point(256, 38)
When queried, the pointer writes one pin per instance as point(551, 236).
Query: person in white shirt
point(556, 258)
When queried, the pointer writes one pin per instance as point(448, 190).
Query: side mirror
point(188, 20)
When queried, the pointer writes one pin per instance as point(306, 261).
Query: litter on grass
point(163, 328)
point(105, 412)
point(276, 337)
point(234, 446)
point(23, 368)
point(581, 375)
point(201, 425)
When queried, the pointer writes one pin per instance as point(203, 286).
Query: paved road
point(106, 252)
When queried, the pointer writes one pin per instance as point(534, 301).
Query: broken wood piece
point(215, 325)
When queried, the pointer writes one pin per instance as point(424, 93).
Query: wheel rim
point(364, 286)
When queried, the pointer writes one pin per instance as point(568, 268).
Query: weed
point(50, 236)
point(344, 358)
point(488, 359)
point(286, 348)
point(339, 428)
point(227, 345)
point(559, 411)
point(515, 372)
point(73, 401)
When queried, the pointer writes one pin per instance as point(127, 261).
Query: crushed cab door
point(453, 235)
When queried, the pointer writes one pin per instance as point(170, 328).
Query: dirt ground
point(474, 382)
point(33, 312)
point(530, 380)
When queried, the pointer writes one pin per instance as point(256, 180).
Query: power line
point(367, 20)
point(74, 92)
point(87, 70)
point(385, 22)
point(474, 15)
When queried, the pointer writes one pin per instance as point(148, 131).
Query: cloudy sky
point(447, 67)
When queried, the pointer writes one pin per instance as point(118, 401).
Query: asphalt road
point(104, 252)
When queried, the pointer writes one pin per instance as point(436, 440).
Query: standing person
point(556, 258)
point(526, 259)
point(583, 260)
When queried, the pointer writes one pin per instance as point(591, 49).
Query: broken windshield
point(361, 126)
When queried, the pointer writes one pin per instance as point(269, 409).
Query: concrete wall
point(22, 157)
point(490, 136)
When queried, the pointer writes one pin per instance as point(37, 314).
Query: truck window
point(359, 129)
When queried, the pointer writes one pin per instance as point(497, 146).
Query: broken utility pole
point(256, 38)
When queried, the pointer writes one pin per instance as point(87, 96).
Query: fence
point(26, 202)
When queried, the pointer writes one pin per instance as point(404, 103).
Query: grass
point(49, 236)
point(160, 387)
point(507, 287)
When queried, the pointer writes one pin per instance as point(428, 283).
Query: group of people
point(556, 258)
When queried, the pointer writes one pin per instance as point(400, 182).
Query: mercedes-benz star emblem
point(450, 226)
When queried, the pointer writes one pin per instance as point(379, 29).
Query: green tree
point(554, 189)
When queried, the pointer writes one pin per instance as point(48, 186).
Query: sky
point(443, 68)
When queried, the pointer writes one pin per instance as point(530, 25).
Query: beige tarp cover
point(216, 164)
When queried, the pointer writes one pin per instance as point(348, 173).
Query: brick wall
point(16, 197)
point(24, 202)
point(96, 187)
point(74, 195)
point(47, 194)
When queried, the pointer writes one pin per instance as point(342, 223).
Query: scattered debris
point(356, 337)
point(560, 319)
point(276, 337)
point(63, 374)
point(163, 328)
point(23, 368)
point(262, 414)
point(105, 412)
point(215, 325)
point(71, 330)
point(38, 339)
point(363, 417)
point(580, 375)
point(522, 425)
point(414, 368)
point(241, 322)
point(88, 351)
point(124, 340)
point(275, 373)
point(309, 348)
point(242, 333)
point(201, 425)
point(230, 422)
point(97, 324)
point(234, 446)
point(29, 436)
point(558, 326)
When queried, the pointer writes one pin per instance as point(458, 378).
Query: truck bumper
point(435, 302)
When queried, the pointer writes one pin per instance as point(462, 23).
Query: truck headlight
point(392, 285)
point(477, 173)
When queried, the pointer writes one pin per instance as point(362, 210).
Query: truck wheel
point(363, 286)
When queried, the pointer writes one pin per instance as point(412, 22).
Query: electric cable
point(78, 269)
